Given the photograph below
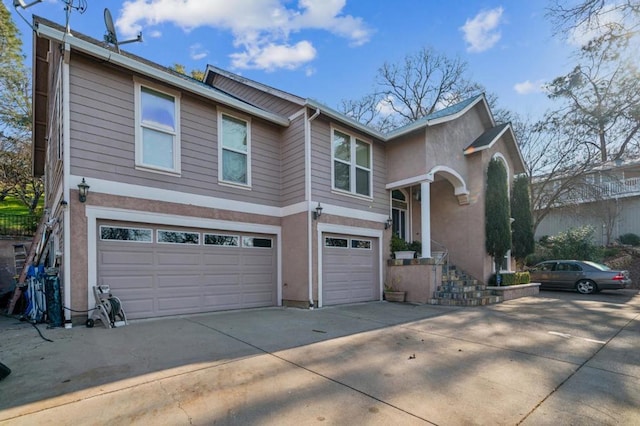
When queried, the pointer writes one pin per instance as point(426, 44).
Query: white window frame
point(247, 120)
point(353, 167)
point(176, 170)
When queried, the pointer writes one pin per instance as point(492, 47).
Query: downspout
point(66, 172)
point(307, 167)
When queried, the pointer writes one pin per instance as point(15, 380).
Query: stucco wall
point(295, 271)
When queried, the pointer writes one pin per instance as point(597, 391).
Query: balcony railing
point(599, 191)
point(18, 225)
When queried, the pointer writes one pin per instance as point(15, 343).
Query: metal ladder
point(19, 257)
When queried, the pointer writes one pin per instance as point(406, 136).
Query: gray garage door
point(349, 269)
point(159, 271)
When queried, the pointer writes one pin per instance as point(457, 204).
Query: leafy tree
point(522, 240)
point(423, 83)
point(497, 214)
point(15, 118)
point(195, 74)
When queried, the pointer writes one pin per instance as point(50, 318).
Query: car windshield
point(598, 266)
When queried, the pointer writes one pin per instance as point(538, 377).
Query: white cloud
point(155, 34)
point(384, 107)
point(197, 52)
point(527, 87)
point(273, 56)
point(261, 28)
point(481, 32)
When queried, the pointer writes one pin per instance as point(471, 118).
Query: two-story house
point(606, 197)
point(229, 194)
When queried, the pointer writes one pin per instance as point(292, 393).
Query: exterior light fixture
point(318, 212)
point(388, 223)
point(83, 190)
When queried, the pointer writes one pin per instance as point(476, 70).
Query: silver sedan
point(584, 276)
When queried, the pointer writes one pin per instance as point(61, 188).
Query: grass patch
point(13, 206)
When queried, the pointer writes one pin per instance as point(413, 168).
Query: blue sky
point(330, 50)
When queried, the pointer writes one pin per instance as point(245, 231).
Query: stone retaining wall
point(515, 291)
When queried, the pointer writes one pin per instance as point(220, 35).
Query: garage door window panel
point(361, 244)
point(174, 237)
point(336, 242)
point(221, 240)
point(112, 233)
point(257, 242)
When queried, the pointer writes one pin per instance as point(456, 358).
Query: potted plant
point(393, 294)
point(400, 248)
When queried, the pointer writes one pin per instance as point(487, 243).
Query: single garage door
point(349, 269)
point(159, 271)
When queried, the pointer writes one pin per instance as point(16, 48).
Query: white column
point(425, 196)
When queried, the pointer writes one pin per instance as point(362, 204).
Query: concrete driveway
point(557, 358)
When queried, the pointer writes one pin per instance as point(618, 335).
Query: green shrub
point(630, 239)
point(575, 243)
point(510, 278)
point(523, 278)
point(611, 252)
point(415, 246)
point(398, 244)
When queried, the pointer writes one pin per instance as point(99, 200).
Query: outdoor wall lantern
point(318, 212)
point(83, 190)
point(388, 223)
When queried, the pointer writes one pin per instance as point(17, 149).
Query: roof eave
point(345, 120)
point(131, 64)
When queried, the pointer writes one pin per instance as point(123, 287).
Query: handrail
point(444, 259)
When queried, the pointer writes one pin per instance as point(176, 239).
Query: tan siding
point(321, 172)
point(102, 114)
point(256, 97)
point(293, 163)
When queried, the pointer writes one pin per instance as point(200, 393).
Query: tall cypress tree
point(497, 212)
point(522, 236)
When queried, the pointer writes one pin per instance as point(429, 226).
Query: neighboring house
point(229, 194)
point(606, 198)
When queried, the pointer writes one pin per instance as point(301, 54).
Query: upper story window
point(351, 164)
point(157, 130)
point(234, 150)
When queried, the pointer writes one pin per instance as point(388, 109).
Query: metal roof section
point(487, 139)
point(92, 47)
point(211, 69)
point(490, 137)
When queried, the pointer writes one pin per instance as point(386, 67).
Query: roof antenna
point(111, 37)
point(69, 6)
point(25, 5)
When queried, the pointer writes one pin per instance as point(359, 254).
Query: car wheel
point(586, 287)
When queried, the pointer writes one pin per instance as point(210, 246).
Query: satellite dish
point(111, 37)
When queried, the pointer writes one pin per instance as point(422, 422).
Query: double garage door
point(159, 271)
point(350, 271)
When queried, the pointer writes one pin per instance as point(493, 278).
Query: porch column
point(425, 195)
